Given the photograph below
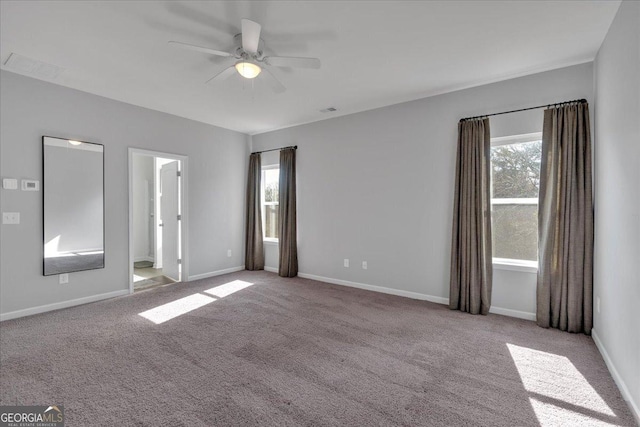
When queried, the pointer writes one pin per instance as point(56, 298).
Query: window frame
point(263, 203)
point(522, 265)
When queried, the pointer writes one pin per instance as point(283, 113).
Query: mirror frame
point(44, 272)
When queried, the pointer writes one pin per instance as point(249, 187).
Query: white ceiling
point(374, 53)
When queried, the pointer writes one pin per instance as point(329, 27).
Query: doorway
point(157, 218)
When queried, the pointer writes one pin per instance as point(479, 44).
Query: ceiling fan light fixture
point(248, 70)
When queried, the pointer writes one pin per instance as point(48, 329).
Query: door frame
point(184, 197)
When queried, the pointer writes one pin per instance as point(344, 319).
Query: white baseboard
point(273, 270)
point(143, 258)
point(513, 313)
point(381, 289)
point(215, 273)
point(626, 395)
point(58, 305)
point(409, 294)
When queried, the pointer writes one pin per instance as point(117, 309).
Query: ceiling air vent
point(31, 67)
point(329, 110)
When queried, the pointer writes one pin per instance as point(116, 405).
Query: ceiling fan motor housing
point(237, 40)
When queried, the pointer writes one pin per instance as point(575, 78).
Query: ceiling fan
point(250, 59)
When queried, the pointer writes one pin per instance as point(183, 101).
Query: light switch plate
point(11, 217)
point(10, 183)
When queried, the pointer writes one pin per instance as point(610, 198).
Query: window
point(269, 197)
point(515, 182)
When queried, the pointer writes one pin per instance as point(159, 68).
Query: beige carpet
point(256, 349)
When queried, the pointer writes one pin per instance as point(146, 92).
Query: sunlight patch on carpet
point(555, 379)
point(176, 308)
point(550, 415)
point(228, 288)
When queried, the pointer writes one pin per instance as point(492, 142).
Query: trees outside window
point(270, 205)
point(515, 176)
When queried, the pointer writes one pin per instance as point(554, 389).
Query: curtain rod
point(295, 147)
point(581, 101)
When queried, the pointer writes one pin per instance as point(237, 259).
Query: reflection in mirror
point(73, 199)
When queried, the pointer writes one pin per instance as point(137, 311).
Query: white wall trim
point(521, 265)
point(516, 139)
point(273, 270)
point(215, 273)
point(143, 258)
point(59, 305)
point(513, 313)
point(626, 395)
point(408, 294)
point(381, 289)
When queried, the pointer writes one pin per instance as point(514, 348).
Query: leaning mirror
point(73, 205)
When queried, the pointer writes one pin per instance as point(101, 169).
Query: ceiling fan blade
point(224, 74)
point(250, 35)
point(272, 81)
point(200, 49)
point(290, 61)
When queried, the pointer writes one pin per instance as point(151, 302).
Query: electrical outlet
point(229, 253)
point(364, 265)
point(598, 304)
point(346, 262)
point(11, 217)
point(64, 278)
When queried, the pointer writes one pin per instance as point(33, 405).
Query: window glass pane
point(515, 170)
point(515, 231)
point(271, 182)
point(271, 227)
point(515, 174)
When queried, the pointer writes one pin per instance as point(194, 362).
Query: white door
point(170, 221)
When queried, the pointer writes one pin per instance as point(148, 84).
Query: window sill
point(515, 265)
point(270, 241)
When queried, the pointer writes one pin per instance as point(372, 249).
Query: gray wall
point(142, 193)
point(617, 240)
point(31, 108)
point(377, 186)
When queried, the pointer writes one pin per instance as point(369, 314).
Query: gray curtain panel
point(471, 254)
point(287, 200)
point(565, 221)
point(254, 249)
